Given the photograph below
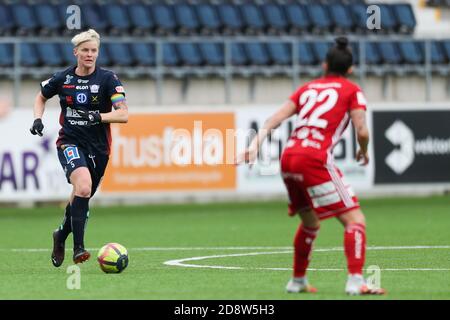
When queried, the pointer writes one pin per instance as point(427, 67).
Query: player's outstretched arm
point(286, 111)
point(358, 117)
point(38, 109)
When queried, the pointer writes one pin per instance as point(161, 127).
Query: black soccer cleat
point(80, 255)
point(58, 250)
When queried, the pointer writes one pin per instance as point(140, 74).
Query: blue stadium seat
point(341, 17)
point(373, 56)
point(437, 52)
point(389, 22)
point(238, 55)
point(275, 17)
point(117, 18)
point(212, 53)
point(446, 49)
point(67, 53)
point(355, 52)
point(24, 19)
point(280, 53)
point(120, 54)
point(411, 52)
point(186, 18)
point(297, 17)
point(389, 52)
point(189, 54)
point(28, 55)
point(141, 19)
point(6, 22)
point(164, 19)
point(144, 54)
point(93, 17)
point(230, 18)
point(320, 19)
point(320, 50)
point(170, 55)
point(253, 18)
point(48, 18)
point(104, 58)
point(49, 53)
point(6, 55)
point(305, 54)
point(257, 53)
point(359, 15)
point(208, 18)
point(405, 17)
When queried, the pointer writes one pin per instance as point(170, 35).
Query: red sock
point(355, 247)
point(303, 244)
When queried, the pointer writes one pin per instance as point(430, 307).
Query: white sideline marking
point(181, 262)
point(237, 248)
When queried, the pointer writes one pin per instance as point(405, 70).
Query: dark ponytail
point(339, 57)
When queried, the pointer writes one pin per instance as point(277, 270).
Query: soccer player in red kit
point(315, 186)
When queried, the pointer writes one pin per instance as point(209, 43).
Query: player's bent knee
point(83, 191)
point(353, 216)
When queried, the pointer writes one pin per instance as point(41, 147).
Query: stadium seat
point(141, 19)
point(208, 18)
point(321, 22)
point(355, 52)
point(49, 52)
point(94, 17)
point(253, 18)
point(305, 54)
point(389, 22)
point(341, 17)
point(164, 19)
point(67, 53)
point(389, 52)
point(24, 19)
point(373, 56)
point(230, 18)
point(275, 17)
point(238, 55)
point(6, 55)
point(48, 18)
point(212, 53)
point(257, 53)
point(446, 49)
point(186, 19)
point(280, 53)
point(405, 17)
point(359, 15)
point(320, 50)
point(104, 59)
point(28, 55)
point(170, 55)
point(411, 52)
point(6, 21)
point(120, 54)
point(144, 54)
point(117, 18)
point(437, 53)
point(298, 19)
point(189, 54)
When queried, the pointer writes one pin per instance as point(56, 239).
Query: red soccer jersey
point(323, 107)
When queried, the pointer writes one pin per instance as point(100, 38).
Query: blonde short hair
point(90, 35)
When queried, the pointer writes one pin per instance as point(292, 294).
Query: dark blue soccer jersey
point(90, 93)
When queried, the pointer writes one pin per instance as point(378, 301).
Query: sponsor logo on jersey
point(69, 99)
point(83, 81)
point(82, 87)
point(120, 89)
point(69, 86)
point(95, 88)
point(71, 153)
point(68, 79)
point(94, 100)
point(45, 82)
point(81, 98)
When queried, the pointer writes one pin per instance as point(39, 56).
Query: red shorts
point(313, 184)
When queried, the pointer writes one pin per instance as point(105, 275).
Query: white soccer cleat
point(297, 285)
point(356, 285)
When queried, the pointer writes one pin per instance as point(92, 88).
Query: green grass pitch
point(254, 238)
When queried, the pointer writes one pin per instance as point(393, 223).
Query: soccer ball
point(113, 258)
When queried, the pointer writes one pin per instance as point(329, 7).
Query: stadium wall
point(182, 154)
